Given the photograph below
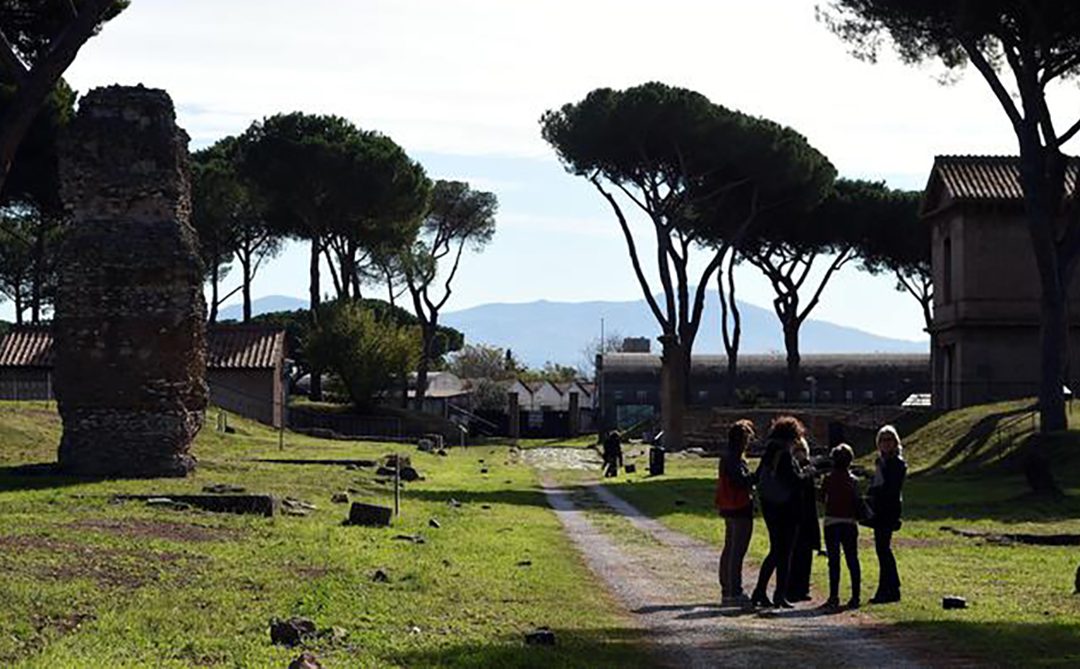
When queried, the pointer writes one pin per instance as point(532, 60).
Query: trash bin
point(656, 461)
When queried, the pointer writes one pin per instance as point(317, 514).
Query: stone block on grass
point(369, 515)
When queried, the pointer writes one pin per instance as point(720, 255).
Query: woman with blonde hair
point(886, 501)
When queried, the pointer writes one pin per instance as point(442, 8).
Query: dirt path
point(669, 583)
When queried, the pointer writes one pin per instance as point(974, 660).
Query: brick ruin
point(130, 315)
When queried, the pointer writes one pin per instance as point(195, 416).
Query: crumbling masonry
point(130, 316)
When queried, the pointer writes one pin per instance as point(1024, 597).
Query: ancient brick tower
point(130, 316)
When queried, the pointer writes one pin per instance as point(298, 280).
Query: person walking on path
point(808, 529)
point(886, 501)
point(842, 511)
point(779, 477)
point(735, 503)
point(613, 455)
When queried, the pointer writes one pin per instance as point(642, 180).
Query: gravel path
point(669, 584)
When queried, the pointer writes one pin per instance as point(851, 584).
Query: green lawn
point(89, 583)
point(1022, 610)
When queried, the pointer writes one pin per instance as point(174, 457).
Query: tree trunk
point(1053, 337)
point(731, 338)
point(428, 334)
point(315, 392)
point(674, 373)
point(214, 277)
point(18, 305)
point(794, 360)
point(245, 268)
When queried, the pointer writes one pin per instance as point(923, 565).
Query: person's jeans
point(888, 578)
point(737, 533)
point(843, 536)
point(781, 542)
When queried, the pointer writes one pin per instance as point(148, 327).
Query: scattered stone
point(540, 637)
point(485, 507)
point(484, 470)
point(481, 461)
point(384, 471)
point(414, 630)
point(380, 576)
point(369, 515)
point(223, 489)
point(353, 491)
point(394, 459)
point(1076, 585)
point(263, 505)
point(334, 634)
point(339, 498)
point(129, 321)
point(381, 481)
point(160, 501)
point(442, 453)
point(525, 563)
point(426, 446)
point(293, 503)
point(412, 538)
point(351, 464)
point(631, 469)
point(457, 505)
point(680, 502)
point(409, 474)
point(300, 513)
point(291, 632)
point(305, 660)
point(433, 523)
point(953, 602)
point(1016, 538)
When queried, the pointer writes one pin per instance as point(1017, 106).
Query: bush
point(365, 353)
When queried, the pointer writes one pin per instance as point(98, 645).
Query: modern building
point(245, 368)
point(985, 332)
point(630, 382)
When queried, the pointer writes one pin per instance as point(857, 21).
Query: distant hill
point(560, 331)
point(263, 305)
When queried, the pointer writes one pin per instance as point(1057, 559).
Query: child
point(808, 534)
point(734, 502)
point(841, 525)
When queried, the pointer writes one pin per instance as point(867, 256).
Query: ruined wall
point(130, 315)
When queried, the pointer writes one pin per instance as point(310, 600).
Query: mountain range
point(561, 332)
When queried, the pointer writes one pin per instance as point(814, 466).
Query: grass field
point(89, 583)
point(1022, 610)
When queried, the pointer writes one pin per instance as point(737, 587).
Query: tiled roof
point(229, 347)
point(981, 179)
point(243, 346)
point(27, 347)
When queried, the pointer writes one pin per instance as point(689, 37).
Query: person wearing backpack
point(842, 511)
point(735, 504)
point(779, 479)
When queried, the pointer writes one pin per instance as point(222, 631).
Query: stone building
point(245, 369)
point(629, 383)
point(985, 332)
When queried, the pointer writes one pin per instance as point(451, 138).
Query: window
point(826, 395)
point(703, 396)
point(869, 394)
point(618, 396)
point(643, 397)
point(780, 395)
point(805, 396)
point(849, 395)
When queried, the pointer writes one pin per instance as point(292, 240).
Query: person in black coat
point(886, 501)
point(613, 455)
point(808, 530)
point(779, 480)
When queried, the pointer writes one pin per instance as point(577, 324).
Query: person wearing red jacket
point(735, 503)
point(842, 511)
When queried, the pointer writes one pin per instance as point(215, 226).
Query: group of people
point(789, 488)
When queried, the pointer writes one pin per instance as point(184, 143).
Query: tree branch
point(11, 61)
point(978, 59)
point(632, 247)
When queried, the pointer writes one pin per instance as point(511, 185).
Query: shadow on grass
point(39, 476)
point(611, 647)
point(1004, 644)
point(528, 497)
point(979, 445)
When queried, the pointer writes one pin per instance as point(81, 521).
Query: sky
point(461, 85)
